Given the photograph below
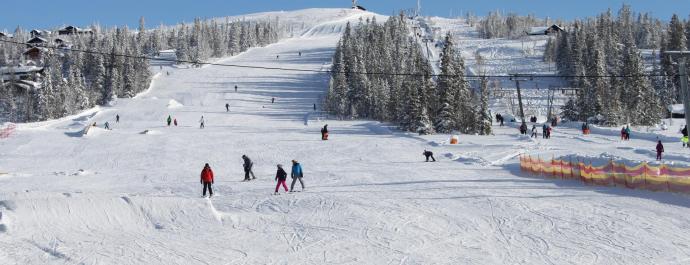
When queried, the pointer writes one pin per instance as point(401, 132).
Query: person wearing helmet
point(296, 175)
point(281, 176)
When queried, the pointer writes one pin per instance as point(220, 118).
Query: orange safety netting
point(641, 176)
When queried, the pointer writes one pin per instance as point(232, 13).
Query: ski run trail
point(131, 195)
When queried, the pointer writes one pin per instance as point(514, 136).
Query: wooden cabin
point(37, 41)
point(72, 30)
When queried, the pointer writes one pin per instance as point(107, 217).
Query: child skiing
point(296, 174)
point(207, 180)
point(429, 154)
point(324, 132)
point(248, 164)
point(281, 176)
point(659, 150)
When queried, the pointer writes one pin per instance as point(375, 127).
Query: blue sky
point(52, 13)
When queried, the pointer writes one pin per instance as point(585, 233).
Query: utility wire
point(530, 76)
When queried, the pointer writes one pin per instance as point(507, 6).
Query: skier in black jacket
point(281, 176)
point(428, 154)
point(248, 164)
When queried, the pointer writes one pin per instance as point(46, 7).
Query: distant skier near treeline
point(659, 150)
point(207, 180)
point(281, 176)
point(324, 132)
point(296, 174)
point(428, 154)
point(248, 164)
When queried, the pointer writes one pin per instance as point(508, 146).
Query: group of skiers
point(296, 173)
point(545, 131)
point(170, 120)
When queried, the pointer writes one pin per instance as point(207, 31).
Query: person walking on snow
point(227, 107)
point(235, 88)
point(534, 131)
point(543, 131)
point(169, 120)
point(428, 154)
point(117, 118)
point(201, 122)
point(248, 164)
point(107, 125)
point(273, 100)
point(207, 180)
point(296, 174)
point(324, 132)
point(627, 133)
point(659, 150)
point(281, 176)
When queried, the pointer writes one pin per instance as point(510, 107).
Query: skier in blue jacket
point(296, 175)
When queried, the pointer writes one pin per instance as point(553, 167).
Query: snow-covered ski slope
point(132, 195)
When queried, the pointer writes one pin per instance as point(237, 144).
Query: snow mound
point(173, 104)
point(94, 132)
point(468, 159)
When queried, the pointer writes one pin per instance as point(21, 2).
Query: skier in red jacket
point(207, 180)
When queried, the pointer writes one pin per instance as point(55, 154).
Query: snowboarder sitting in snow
point(248, 164)
point(281, 176)
point(428, 154)
point(659, 150)
point(296, 174)
point(324, 132)
point(207, 180)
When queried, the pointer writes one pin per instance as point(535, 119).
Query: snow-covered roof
point(8, 70)
point(37, 40)
point(676, 109)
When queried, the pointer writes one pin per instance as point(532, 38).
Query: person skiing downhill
point(659, 150)
point(324, 132)
point(296, 174)
point(207, 180)
point(117, 118)
point(429, 154)
point(107, 126)
point(169, 120)
point(227, 107)
point(281, 176)
point(534, 131)
point(273, 100)
point(248, 164)
point(201, 122)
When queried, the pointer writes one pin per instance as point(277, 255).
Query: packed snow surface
point(127, 197)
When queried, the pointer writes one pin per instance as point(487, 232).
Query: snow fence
point(640, 176)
